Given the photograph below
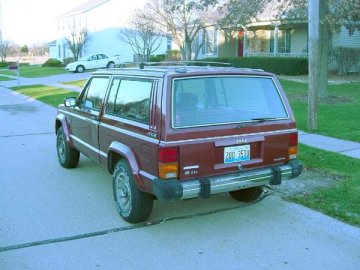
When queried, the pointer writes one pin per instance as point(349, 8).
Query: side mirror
point(70, 102)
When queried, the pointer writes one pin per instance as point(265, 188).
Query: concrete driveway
point(53, 218)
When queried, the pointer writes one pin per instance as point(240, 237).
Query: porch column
point(245, 42)
point(276, 39)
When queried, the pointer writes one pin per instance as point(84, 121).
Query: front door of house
point(241, 44)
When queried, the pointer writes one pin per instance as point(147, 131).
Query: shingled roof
point(83, 8)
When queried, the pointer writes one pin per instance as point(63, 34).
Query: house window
point(284, 41)
point(209, 39)
point(257, 41)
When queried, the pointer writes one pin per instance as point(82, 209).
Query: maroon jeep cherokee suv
point(173, 133)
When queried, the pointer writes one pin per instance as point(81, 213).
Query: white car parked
point(93, 61)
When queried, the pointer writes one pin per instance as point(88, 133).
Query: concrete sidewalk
point(343, 147)
point(54, 80)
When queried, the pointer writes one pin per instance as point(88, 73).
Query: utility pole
point(318, 58)
point(314, 65)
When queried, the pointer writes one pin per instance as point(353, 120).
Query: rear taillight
point(293, 145)
point(168, 163)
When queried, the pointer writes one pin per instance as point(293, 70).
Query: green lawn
point(338, 117)
point(3, 78)
point(35, 71)
point(342, 200)
point(79, 83)
point(47, 94)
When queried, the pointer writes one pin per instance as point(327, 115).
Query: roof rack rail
point(182, 63)
point(141, 65)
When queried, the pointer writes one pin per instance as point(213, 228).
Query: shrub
point(277, 65)
point(346, 58)
point(173, 55)
point(157, 58)
point(51, 62)
point(68, 60)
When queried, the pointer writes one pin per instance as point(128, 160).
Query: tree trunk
point(323, 50)
point(188, 49)
point(314, 63)
point(183, 52)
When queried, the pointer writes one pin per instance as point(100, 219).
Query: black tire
point(80, 69)
point(110, 65)
point(247, 195)
point(68, 157)
point(133, 205)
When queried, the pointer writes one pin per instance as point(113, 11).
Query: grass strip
point(79, 83)
point(341, 200)
point(35, 71)
point(47, 94)
point(4, 78)
point(338, 116)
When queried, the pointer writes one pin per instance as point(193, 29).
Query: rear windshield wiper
point(254, 121)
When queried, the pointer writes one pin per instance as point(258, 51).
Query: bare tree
point(344, 13)
point(292, 10)
point(340, 13)
point(39, 49)
point(334, 14)
point(5, 47)
point(142, 37)
point(77, 40)
point(182, 19)
point(239, 13)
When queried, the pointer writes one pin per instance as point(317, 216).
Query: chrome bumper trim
point(235, 181)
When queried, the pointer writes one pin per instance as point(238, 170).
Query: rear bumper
point(173, 189)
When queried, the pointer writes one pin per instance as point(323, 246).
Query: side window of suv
point(130, 99)
point(94, 94)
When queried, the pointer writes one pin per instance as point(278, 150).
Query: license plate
point(236, 153)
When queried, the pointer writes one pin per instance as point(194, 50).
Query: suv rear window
point(218, 100)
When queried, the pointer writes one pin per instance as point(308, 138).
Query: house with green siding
point(269, 37)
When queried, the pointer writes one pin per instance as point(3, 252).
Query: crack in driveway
point(126, 228)
point(27, 134)
point(18, 108)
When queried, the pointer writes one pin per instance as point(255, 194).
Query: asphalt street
point(53, 218)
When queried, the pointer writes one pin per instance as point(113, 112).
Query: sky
point(33, 21)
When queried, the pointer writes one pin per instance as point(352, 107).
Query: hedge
point(277, 65)
point(52, 63)
point(157, 58)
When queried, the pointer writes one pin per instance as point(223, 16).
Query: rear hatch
point(228, 123)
